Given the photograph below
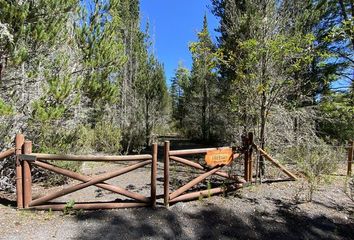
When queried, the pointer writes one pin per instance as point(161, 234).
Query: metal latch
point(25, 157)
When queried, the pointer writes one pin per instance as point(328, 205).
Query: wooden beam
point(27, 177)
point(68, 157)
point(276, 163)
point(7, 153)
point(166, 173)
point(90, 206)
point(193, 183)
point(19, 141)
point(153, 174)
point(194, 195)
point(200, 167)
point(191, 151)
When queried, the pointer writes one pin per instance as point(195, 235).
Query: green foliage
point(351, 188)
point(197, 92)
point(316, 163)
point(208, 188)
point(5, 109)
point(31, 29)
point(60, 93)
point(179, 86)
point(152, 88)
point(98, 38)
point(337, 112)
point(68, 209)
point(107, 137)
point(200, 198)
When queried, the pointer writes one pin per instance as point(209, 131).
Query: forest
point(81, 77)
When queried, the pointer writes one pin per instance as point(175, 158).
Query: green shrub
point(5, 109)
point(51, 138)
point(83, 138)
point(316, 163)
point(107, 137)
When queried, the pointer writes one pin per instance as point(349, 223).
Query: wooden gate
point(215, 169)
point(25, 159)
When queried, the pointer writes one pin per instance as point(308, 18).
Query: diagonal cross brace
point(93, 181)
point(200, 167)
point(84, 178)
point(193, 183)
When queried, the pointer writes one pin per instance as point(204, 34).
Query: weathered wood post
point(166, 170)
point(27, 177)
point(350, 158)
point(19, 140)
point(153, 174)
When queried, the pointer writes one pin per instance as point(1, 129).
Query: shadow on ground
point(209, 221)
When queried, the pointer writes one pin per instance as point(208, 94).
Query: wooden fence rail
point(7, 153)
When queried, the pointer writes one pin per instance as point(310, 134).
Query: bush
point(351, 188)
point(315, 162)
point(107, 137)
point(54, 139)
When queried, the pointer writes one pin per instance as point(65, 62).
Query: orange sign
point(219, 157)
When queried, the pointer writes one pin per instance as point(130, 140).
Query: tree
point(260, 58)
point(201, 92)
point(99, 40)
point(179, 86)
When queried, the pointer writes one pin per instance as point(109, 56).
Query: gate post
point(350, 158)
point(19, 140)
point(166, 171)
point(27, 177)
point(153, 174)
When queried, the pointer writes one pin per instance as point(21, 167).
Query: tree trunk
point(147, 119)
point(204, 112)
point(262, 133)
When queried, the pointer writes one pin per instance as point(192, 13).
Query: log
point(89, 206)
point(27, 177)
point(166, 173)
point(204, 193)
point(200, 167)
point(193, 183)
point(93, 181)
point(154, 175)
point(19, 141)
point(7, 153)
point(191, 151)
point(275, 163)
point(68, 157)
point(194, 195)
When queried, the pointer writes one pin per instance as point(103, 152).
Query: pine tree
point(261, 58)
point(179, 86)
point(202, 90)
point(99, 40)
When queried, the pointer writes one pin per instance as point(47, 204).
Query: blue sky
point(173, 25)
